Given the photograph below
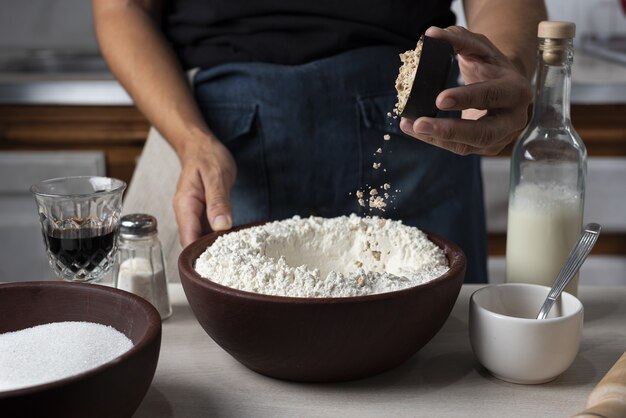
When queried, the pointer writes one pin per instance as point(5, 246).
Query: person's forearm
point(510, 25)
point(144, 63)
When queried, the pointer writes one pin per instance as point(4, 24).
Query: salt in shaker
point(140, 268)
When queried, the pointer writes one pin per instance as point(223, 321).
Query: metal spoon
point(575, 259)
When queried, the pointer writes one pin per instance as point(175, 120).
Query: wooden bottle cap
point(556, 30)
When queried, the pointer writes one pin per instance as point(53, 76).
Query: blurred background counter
point(62, 113)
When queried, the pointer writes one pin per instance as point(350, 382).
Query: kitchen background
point(67, 23)
point(61, 113)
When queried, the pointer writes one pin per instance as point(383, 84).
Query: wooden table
point(196, 378)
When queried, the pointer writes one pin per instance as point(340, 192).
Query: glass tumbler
point(80, 222)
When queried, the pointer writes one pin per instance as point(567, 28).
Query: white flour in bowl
point(319, 257)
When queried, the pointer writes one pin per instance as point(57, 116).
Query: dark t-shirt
point(205, 33)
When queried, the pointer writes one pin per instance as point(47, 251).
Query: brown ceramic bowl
point(321, 339)
point(114, 389)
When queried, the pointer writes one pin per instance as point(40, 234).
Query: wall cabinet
point(119, 131)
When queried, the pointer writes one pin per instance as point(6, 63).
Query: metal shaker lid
point(137, 224)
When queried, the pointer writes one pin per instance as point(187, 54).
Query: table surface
point(196, 378)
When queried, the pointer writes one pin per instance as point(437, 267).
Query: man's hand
point(130, 37)
point(494, 100)
point(203, 189)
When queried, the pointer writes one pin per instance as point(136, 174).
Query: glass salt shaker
point(140, 268)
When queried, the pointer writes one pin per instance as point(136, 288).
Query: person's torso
point(205, 33)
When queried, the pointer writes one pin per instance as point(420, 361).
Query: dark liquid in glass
point(80, 249)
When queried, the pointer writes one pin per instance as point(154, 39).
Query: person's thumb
point(218, 209)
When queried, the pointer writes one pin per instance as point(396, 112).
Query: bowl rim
point(498, 316)
point(152, 332)
point(455, 256)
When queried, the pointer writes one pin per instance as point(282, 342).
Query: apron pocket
point(407, 164)
point(235, 124)
point(228, 121)
point(376, 112)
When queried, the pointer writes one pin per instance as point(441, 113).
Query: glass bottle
point(548, 170)
point(140, 268)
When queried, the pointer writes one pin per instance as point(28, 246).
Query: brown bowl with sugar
point(114, 389)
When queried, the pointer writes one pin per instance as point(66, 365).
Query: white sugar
point(54, 351)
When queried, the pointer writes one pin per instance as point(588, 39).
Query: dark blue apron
point(305, 138)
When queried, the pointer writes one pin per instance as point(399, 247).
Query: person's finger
point(456, 147)
point(462, 149)
point(486, 132)
point(189, 211)
point(406, 125)
point(218, 208)
point(494, 94)
point(481, 133)
point(465, 42)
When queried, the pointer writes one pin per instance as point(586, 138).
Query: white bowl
point(512, 344)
